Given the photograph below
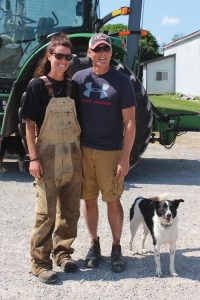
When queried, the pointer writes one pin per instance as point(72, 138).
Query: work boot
point(117, 261)
point(69, 265)
point(93, 256)
point(47, 276)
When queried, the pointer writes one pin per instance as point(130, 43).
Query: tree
point(148, 47)
point(110, 28)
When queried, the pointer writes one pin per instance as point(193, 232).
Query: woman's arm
point(35, 167)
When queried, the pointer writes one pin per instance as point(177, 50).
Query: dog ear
point(154, 203)
point(177, 202)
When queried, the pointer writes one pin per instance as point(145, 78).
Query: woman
point(55, 161)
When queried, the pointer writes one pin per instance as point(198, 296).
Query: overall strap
point(69, 87)
point(48, 85)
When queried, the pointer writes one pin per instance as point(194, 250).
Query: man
point(106, 111)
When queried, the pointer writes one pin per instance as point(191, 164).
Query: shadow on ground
point(13, 173)
point(164, 171)
point(139, 267)
point(147, 171)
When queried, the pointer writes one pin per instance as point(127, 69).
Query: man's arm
point(35, 167)
point(129, 137)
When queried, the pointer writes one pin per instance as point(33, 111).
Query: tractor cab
point(25, 24)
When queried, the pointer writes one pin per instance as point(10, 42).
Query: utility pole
point(134, 23)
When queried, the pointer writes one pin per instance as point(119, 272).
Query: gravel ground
point(175, 171)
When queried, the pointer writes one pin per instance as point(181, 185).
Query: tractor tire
point(144, 115)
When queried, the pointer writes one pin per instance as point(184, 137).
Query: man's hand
point(122, 168)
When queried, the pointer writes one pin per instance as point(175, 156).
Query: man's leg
point(115, 218)
point(91, 216)
point(90, 191)
point(112, 189)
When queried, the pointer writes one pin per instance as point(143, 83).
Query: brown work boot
point(117, 261)
point(69, 265)
point(93, 256)
point(47, 276)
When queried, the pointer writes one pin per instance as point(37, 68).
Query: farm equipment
point(25, 28)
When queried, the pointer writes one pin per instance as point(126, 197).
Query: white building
point(159, 75)
point(178, 70)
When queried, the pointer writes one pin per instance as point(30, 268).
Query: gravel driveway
point(175, 171)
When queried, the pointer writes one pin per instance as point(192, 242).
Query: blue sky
point(163, 18)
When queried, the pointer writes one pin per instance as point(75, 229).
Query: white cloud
point(167, 20)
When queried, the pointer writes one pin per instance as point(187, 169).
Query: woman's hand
point(35, 169)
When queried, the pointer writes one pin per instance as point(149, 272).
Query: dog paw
point(132, 253)
point(143, 251)
point(174, 274)
point(159, 274)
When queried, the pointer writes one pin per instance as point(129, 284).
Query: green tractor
point(25, 29)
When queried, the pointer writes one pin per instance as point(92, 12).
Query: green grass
point(173, 104)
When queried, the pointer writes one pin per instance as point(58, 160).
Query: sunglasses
point(100, 49)
point(60, 56)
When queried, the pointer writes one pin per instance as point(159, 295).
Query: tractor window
point(24, 24)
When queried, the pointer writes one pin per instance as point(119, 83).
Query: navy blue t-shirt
point(101, 99)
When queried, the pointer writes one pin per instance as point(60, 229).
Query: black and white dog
point(159, 217)
point(12, 145)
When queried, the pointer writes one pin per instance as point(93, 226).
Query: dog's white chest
point(165, 233)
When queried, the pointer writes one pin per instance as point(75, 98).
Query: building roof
point(183, 39)
point(156, 59)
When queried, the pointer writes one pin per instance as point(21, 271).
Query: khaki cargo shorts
point(99, 170)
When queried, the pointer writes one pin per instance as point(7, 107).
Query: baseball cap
point(99, 38)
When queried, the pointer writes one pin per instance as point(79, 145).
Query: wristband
point(34, 159)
